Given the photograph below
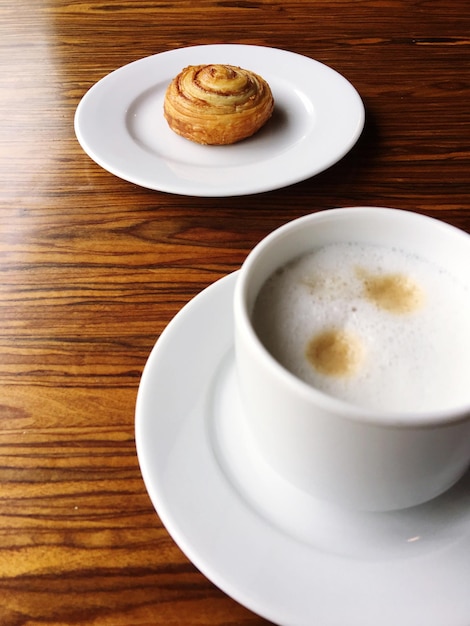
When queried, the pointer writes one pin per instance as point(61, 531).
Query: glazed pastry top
point(217, 103)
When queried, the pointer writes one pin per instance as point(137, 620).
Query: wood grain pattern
point(92, 268)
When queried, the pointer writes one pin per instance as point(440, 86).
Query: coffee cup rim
point(407, 418)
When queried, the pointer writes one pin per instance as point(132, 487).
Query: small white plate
point(318, 117)
point(294, 560)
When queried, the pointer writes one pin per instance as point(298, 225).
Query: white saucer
point(318, 118)
point(292, 559)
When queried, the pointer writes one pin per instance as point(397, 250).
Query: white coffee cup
point(374, 460)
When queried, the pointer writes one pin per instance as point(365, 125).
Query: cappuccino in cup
point(352, 350)
point(375, 326)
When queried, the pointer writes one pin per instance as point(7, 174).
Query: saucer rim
point(291, 585)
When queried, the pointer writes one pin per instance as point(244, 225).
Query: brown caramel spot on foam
point(395, 293)
point(335, 352)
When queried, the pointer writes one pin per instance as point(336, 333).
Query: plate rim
point(177, 185)
point(290, 552)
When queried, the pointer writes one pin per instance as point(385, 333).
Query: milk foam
point(414, 358)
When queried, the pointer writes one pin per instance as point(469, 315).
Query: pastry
point(217, 104)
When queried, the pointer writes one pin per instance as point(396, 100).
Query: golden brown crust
point(217, 104)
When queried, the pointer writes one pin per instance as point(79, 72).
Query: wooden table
point(93, 268)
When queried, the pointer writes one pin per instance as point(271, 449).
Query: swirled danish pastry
point(217, 104)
